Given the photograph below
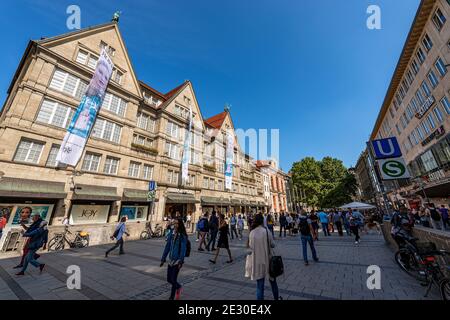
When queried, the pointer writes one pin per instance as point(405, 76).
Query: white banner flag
point(229, 161)
point(186, 151)
point(84, 118)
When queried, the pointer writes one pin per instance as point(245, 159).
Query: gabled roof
point(174, 91)
point(216, 121)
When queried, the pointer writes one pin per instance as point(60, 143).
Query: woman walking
point(118, 235)
point(257, 267)
point(176, 250)
point(270, 224)
point(223, 239)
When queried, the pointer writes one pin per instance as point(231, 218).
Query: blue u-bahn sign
point(386, 148)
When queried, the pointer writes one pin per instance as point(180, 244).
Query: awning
point(24, 188)
point(440, 189)
point(181, 198)
point(236, 201)
point(89, 192)
point(215, 201)
point(135, 195)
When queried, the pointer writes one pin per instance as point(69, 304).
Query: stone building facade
point(138, 137)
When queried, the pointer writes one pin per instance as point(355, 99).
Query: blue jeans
point(172, 278)
point(30, 259)
point(213, 234)
point(270, 227)
point(325, 228)
point(305, 241)
point(260, 288)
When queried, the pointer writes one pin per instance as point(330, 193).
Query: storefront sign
point(435, 135)
point(425, 107)
point(86, 214)
point(392, 169)
point(84, 118)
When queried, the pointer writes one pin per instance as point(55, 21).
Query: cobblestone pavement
point(136, 275)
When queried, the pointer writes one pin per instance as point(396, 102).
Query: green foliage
point(326, 183)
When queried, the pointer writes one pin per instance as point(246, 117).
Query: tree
point(326, 183)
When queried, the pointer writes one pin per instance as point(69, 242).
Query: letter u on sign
point(386, 148)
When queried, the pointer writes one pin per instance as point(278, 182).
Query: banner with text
point(84, 118)
point(229, 160)
point(186, 151)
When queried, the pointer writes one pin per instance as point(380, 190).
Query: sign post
point(151, 195)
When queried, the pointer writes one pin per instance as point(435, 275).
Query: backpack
point(435, 215)
point(188, 248)
point(304, 227)
point(201, 224)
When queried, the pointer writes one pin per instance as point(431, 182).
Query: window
point(172, 150)
point(211, 184)
point(133, 169)
point(69, 84)
point(398, 129)
point(92, 61)
point(82, 56)
point(420, 98)
point(402, 92)
point(91, 162)
point(413, 135)
point(409, 112)
point(433, 79)
point(55, 114)
point(172, 130)
point(403, 120)
point(429, 162)
point(399, 100)
point(446, 104)
point(414, 104)
point(419, 133)
point(220, 185)
point(410, 77)
point(143, 141)
point(110, 50)
point(205, 183)
point(111, 165)
point(431, 121)
point(172, 177)
point(87, 58)
point(29, 151)
point(425, 127)
point(439, 19)
point(106, 130)
point(415, 66)
point(391, 112)
point(51, 160)
point(148, 172)
point(114, 104)
point(144, 121)
point(441, 68)
point(438, 114)
point(191, 180)
point(405, 85)
point(117, 76)
point(421, 56)
point(425, 88)
point(427, 43)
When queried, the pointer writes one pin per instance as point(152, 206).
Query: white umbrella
point(358, 205)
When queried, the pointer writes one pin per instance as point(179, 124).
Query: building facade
point(416, 109)
point(277, 185)
point(138, 137)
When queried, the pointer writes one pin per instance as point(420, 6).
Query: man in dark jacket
point(283, 223)
point(213, 230)
point(38, 234)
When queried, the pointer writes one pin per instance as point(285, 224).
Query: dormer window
point(110, 50)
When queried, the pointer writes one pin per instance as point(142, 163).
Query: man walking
point(118, 235)
point(38, 236)
point(355, 219)
point(282, 224)
point(233, 225)
point(305, 228)
point(444, 214)
point(338, 222)
point(323, 217)
point(202, 227)
point(436, 219)
point(213, 230)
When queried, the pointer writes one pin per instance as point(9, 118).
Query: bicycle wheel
point(56, 244)
point(444, 287)
point(81, 242)
point(408, 263)
point(145, 235)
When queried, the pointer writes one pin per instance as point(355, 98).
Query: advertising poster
point(84, 118)
point(44, 211)
point(87, 214)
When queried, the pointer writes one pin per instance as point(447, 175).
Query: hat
point(35, 214)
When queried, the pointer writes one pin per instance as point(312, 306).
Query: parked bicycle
point(149, 232)
point(420, 260)
point(59, 241)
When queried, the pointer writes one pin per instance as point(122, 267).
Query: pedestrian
point(424, 215)
point(331, 222)
point(337, 219)
point(282, 224)
point(3, 222)
point(305, 228)
point(315, 225)
point(118, 235)
point(202, 227)
point(436, 219)
point(233, 226)
point(188, 220)
point(223, 239)
point(270, 224)
point(176, 247)
point(38, 237)
point(323, 217)
point(257, 267)
point(289, 221)
point(355, 219)
point(213, 225)
point(25, 216)
point(346, 223)
point(444, 214)
point(240, 226)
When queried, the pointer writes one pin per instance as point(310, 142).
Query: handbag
point(276, 266)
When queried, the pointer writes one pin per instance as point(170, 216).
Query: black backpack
point(188, 248)
point(435, 215)
point(304, 226)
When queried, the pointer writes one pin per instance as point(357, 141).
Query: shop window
point(134, 213)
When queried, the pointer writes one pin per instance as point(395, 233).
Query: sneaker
point(212, 261)
point(41, 267)
point(21, 273)
point(306, 263)
point(356, 242)
point(178, 293)
point(316, 259)
point(18, 266)
point(196, 240)
point(37, 256)
point(200, 249)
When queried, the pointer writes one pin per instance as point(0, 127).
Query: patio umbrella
point(358, 205)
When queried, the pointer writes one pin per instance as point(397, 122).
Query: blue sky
point(309, 68)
